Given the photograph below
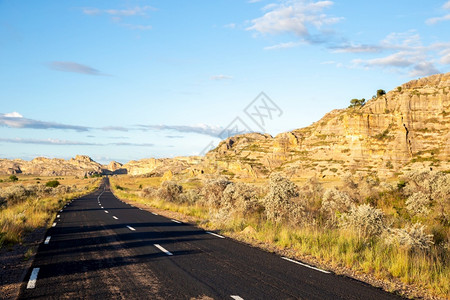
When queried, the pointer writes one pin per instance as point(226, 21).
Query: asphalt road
point(102, 248)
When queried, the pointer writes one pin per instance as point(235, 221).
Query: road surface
point(102, 248)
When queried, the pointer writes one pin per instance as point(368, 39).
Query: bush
point(13, 178)
point(170, 191)
point(52, 183)
point(368, 221)
point(148, 192)
point(14, 194)
point(212, 191)
point(241, 198)
point(334, 203)
point(412, 237)
point(277, 202)
point(418, 204)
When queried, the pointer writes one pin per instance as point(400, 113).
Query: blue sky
point(123, 80)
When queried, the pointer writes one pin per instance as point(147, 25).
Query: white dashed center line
point(47, 240)
point(32, 282)
point(116, 218)
point(58, 216)
point(162, 249)
point(131, 228)
point(215, 234)
point(106, 211)
point(305, 265)
point(102, 207)
point(175, 221)
point(54, 224)
point(236, 297)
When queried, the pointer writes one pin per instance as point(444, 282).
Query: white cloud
point(283, 46)
point(423, 69)
point(254, 1)
point(293, 16)
point(13, 115)
point(357, 49)
point(137, 27)
point(445, 59)
point(204, 129)
point(446, 5)
point(399, 59)
point(135, 11)
point(69, 66)
point(405, 53)
point(231, 26)
point(221, 77)
point(16, 120)
point(432, 21)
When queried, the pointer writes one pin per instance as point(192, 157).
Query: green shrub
point(381, 93)
point(13, 178)
point(52, 183)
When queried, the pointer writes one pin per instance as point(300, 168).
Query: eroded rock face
point(41, 166)
point(404, 129)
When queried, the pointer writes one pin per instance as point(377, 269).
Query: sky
point(130, 79)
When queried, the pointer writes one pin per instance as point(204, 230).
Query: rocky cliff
point(79, 166)
point(407, 128)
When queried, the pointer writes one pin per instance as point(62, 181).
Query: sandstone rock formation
point(407, 128)
point(41, 166)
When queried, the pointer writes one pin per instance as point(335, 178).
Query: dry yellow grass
point(34, 212)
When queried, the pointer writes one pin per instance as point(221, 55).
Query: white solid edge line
point(215, 234)
point(33, 277)
point(236, 297)
point(54, 224)
point(131, 228)
point(106, 211)
point(114, 217)
point(162, 249)
point(155, 214)
point(176, 221)
point(47, 240)
point(305, 265)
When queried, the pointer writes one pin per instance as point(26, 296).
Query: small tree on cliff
point(381, 93)
point(357, 102)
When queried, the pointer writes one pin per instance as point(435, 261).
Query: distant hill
point(404, 129)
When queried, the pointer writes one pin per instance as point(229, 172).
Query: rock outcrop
point(407, 128)
point(41, 166)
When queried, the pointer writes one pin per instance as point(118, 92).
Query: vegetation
point(389, 230)
point(357, 102)
point(13, 178)
point(24, 208)
point(381, 93)
point(52, 183)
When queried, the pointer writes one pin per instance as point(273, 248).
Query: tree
point(357, 102)
point(381, 93)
